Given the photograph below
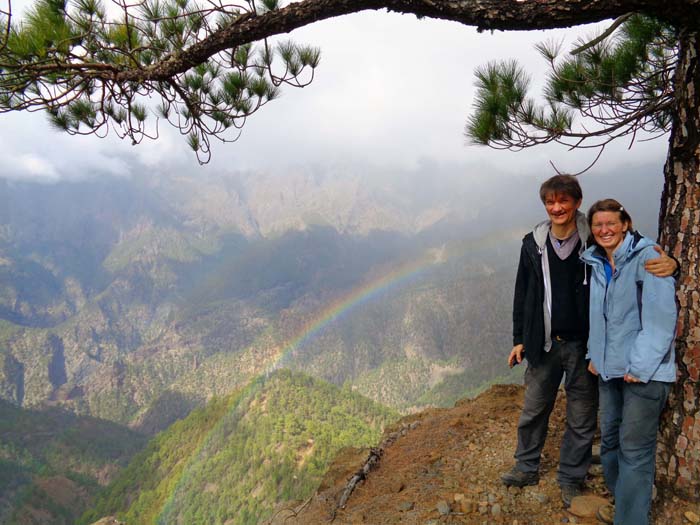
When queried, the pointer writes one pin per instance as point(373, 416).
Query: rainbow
point(358, 296)
point(363, 294)
point(368, 291)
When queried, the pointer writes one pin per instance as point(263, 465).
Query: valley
point(147, 309)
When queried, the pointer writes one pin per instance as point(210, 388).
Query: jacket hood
point(541, 230)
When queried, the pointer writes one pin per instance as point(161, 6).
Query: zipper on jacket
point(605, 332)
point(584, 245)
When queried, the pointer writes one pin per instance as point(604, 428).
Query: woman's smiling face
point(608, 229)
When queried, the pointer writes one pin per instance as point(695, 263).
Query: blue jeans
point(629, 422)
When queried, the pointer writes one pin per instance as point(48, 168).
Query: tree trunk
point(679, 228)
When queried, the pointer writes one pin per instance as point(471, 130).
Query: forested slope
point(52, 462)
point(234, 460)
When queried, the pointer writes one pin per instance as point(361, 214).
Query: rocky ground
point(442, 466)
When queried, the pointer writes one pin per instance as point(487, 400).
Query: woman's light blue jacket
point(633, 317)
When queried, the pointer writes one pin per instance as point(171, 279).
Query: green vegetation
point(152, 475)
point(165, 243)
point(407, 384)
point(8, 330)
point(600, 81)
point(397, 383)
point(456, 387)
point(45, 454)
point(239, 456)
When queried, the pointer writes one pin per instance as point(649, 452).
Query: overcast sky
point(391, 90)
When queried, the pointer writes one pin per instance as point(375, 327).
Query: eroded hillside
point(443, 466)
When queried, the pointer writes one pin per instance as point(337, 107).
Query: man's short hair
point(561, 184)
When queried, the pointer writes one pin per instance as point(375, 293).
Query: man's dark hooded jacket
point(531, 316)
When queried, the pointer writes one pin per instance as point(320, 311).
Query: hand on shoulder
point(662, 266)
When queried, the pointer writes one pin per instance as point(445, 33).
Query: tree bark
point(679, 226)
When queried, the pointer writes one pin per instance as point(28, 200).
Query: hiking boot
point(606, 514)
point(517, 478)
point(569, 492)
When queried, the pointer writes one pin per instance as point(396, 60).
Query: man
point(550, 329)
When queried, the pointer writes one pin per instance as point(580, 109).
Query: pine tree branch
point(484, 14)
point(83, 54)
point(605, 34)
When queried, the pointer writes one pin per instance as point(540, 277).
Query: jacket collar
point(632, 243)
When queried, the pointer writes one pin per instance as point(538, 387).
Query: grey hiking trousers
point(565, 359)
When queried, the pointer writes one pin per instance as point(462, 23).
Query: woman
point(631, 350)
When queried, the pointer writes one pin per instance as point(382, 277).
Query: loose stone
point(586, 506)
point(405, 506)
point(443, 507)
point(468, 506)
point(542, 498)
point(595, 470)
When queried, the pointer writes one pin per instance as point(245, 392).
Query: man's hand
point(592, 369)
point(631, 379)
point(663, 266)
point(516, 355)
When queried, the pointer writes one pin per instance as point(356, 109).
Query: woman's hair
point(609, 205)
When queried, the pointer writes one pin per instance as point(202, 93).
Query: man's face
point(561, 208)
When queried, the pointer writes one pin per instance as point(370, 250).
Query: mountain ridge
point(170, 289)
